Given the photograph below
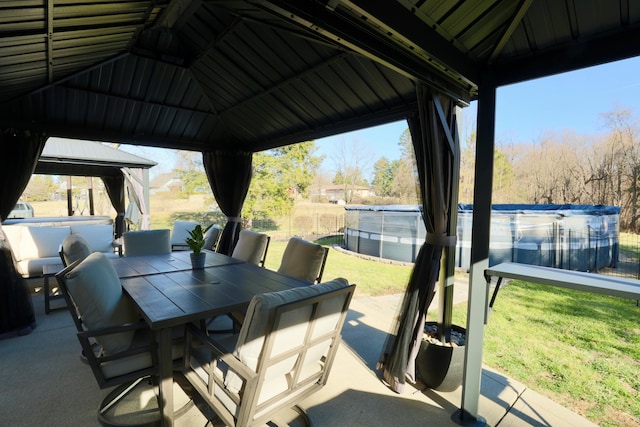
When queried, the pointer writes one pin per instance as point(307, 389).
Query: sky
point(524, 112)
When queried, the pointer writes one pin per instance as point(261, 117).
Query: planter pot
point(197, 260)
point(441, 366)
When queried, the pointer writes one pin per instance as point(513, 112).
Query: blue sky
point(524, 111)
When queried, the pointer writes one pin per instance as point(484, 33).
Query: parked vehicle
point(21, 210)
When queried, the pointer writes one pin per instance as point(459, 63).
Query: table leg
point(166, 377)
point(47, 289)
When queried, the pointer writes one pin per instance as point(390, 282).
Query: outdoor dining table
point(173, 298)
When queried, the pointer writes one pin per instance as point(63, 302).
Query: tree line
point(559, 168)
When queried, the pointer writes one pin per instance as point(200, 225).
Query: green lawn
point(372, 278)
point(580, 349)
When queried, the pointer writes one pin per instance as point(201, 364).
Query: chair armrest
point(113, 329)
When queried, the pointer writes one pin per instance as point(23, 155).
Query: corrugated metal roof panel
point(229, 74)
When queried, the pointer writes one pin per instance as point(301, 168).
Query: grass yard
point(582, 350)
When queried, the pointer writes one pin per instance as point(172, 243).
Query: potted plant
point(196, 243)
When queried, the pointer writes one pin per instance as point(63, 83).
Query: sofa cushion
point(42, 242)
point(98, 236)
point(96, 291)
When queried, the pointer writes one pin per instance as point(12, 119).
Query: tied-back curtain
point(21, 151)
point(115, 190)
point(135, 184)
point(437, 154)
point(229, 174)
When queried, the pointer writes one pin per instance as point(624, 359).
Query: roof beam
point(402, 23)
point(49, 39)
point(343, 29)
point(515, 22)
point(570, 57)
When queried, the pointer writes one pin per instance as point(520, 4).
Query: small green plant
point(196, 238)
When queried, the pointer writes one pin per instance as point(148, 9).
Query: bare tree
point(352, 161)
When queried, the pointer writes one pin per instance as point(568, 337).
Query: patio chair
point(179, 233)
point(118, 346)
point(212, 238)
point(251, 247)
point(303, 260)
point(283, 354)
point(146, 242)
point(74, 247)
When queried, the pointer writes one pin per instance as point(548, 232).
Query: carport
point(229, 78)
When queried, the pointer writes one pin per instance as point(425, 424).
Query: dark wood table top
point(165, 263)
point(178, 297)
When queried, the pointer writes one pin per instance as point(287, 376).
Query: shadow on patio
point(45, 383)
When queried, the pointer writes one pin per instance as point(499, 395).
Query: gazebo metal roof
point(251, 75)
point(86, 158)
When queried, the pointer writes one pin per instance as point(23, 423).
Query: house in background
point(166, 182)
point(336, 193)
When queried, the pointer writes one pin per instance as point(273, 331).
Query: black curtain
point(115, 190)
point(229, 174)
point(21, 151)
point(436, 149)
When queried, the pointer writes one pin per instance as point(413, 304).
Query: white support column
point(478, 293)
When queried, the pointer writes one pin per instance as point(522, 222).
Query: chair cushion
point(181, 231)
point(99, 237)
point(252, 334)
point(302, 260)
point(212, 237)
point(96, 290)
point(146, 242)
point(74, 247)
point(250, 246)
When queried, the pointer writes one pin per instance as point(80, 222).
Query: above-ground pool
point(573, 237)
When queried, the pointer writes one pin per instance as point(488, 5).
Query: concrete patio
point(45, 383)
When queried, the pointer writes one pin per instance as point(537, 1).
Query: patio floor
point(45, 383)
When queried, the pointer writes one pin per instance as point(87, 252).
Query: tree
point(40, 188)
point(405, 172)
point(190, 170)
point(383, 172)
point(351, 163)
point(279, 176)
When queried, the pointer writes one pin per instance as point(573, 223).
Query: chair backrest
point(251, 247)
point(212, 238)
point(284, 353)
point(74, 247)
point(303, 260)
point(146, 242)
point(179, 233)
point(103, 314)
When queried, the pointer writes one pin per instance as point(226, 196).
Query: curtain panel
point(115, 190)
point(21, 151)
point(436, 151)
point(229, 174)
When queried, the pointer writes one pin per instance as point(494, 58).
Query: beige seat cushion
point(99, 237)
point(250, 247)
point(146, 242)
point(302, 260)
point(96, 291)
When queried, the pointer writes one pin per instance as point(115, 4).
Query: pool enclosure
point(573, 237)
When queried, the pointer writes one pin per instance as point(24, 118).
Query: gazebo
point(230, 78)
point(118, 170)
